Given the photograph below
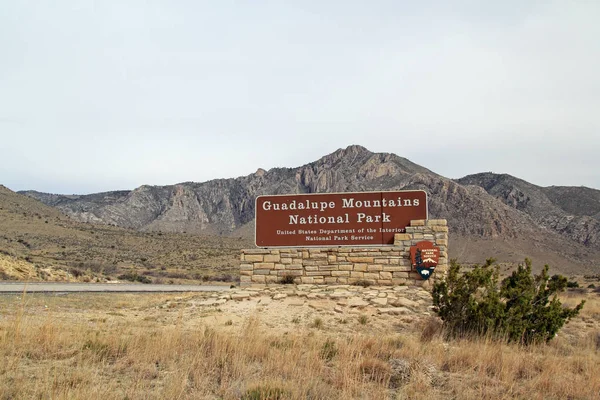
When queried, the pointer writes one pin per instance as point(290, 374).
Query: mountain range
point(489, 215)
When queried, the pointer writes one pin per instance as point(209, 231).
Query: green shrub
point(76, 272)
point(523, 308)
point(134, 277)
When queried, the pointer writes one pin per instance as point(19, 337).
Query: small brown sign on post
point(336, 219)
point(424, 257)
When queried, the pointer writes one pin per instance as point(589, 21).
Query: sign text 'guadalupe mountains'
point(336, 219)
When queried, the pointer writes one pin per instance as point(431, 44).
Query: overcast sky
point(106, 95)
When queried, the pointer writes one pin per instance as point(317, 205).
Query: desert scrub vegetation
point(128, 346)
point(42, 238)
point(134, 277)
point(521, 308)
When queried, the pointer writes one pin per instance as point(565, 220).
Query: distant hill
point(486, 217)
point(573, 212)
point(38, 242)
point(581, 201)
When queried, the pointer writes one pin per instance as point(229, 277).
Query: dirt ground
point(341, 309)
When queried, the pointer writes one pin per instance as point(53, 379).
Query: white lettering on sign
point(315, 219)
point(298, 205)
point(362, 217)
point(351, 203)
point(346, 203)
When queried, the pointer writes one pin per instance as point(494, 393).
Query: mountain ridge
point(545, 205)
point(479, 206)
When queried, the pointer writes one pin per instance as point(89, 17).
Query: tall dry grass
point(44, 357)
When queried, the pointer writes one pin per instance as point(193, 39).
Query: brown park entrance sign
point(336, 219)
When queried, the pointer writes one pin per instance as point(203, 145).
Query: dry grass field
point(126, 346)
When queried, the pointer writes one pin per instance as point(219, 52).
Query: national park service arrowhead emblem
point(424, 257)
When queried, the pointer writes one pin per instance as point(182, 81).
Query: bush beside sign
point(336, 219)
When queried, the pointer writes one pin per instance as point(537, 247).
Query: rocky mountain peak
point(480, 206)
point(260, 172)
point(352, 149)
point(348, 154)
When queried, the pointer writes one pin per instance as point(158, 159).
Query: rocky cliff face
point(477, 206)
point(559, 209)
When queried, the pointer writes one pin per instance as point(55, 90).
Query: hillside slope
point(38, 242)
point(475, 215)
point(571, 212)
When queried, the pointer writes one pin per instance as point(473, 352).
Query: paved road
point(14, 287)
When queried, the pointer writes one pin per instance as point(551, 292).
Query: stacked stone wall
point(386, 265)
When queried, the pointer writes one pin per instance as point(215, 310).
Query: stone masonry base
point(386, 265)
